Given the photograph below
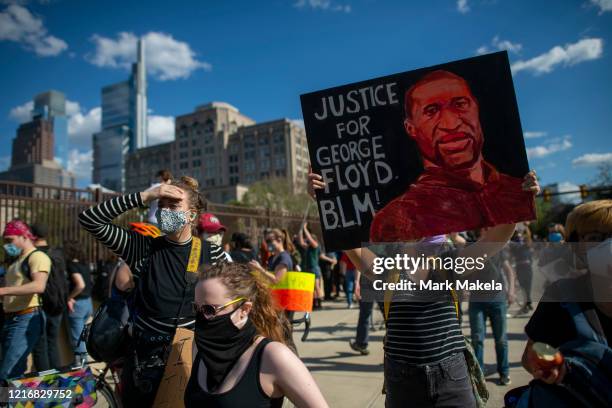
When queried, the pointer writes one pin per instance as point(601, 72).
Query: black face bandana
point(220, 344)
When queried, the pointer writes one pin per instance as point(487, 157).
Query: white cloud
point(604, 5)
point(463, 6)
point(550, 147)
point(571, 54)
point(592, 159)
point(326, 5)
point(566, 186)
point(22, 113)
point(534, 134)
point(161, 129)
point(81, 126)
point(166, 58)
point(80, 163)
point(17, 24)
point(500, 45)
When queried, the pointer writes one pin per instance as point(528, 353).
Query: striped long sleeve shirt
point(159, 265)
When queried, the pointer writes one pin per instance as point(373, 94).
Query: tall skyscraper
point(51, 105)
point(40, 142)
point(124, 125)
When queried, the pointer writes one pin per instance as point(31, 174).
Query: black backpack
point(55, 296)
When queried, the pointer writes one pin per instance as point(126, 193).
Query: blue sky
point(260, 56)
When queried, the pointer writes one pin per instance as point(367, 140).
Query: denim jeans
point(19, 336)
point(444, 384)
point(83, 309)
point(46, 354)
point(363, 324)
point(349, 286)
point(496, 312)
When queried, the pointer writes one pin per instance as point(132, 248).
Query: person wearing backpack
point(24, 320)
point(163, 277)
point(46, 354)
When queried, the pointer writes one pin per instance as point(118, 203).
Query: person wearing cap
point(210, 229)
point(25, 321)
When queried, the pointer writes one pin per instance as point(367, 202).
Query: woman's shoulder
point(275, 352)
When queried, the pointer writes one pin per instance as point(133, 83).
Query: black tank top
point(246, 393)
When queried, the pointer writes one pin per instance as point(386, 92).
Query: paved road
point(351, 380)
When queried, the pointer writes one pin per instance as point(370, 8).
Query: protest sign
point(171, 390)
point(294, 292)
point(420, 153)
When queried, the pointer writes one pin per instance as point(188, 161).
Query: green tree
point(276, 194)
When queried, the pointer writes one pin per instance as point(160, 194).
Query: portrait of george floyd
point(421, 153)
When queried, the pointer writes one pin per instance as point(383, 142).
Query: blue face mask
point(555, 237)
point(170, 221)
point(11, 250)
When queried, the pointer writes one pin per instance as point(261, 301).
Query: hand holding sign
point(391, 169)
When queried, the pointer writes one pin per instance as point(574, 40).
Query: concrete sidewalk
point(348, 379)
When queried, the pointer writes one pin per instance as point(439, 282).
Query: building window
point(183, 155)
point(209, 150)
point(234, 180)
point(249, 155)
point(184, 165)
point(280, 162)
point(249, 166)
point(264, 152)
point(278, 138)
point(280, 173)
point(196, 152)
point(196, 163)
point(264, 164)
point(249, 141)
point(264, 140)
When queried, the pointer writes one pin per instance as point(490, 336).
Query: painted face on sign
point(445, 124)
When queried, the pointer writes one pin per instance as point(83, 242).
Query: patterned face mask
point(170, 221)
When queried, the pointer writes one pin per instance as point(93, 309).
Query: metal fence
point(59, 207)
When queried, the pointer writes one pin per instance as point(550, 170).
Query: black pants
point(524, 273)
point(46, 354)
point(444, 384)
point(139, 386)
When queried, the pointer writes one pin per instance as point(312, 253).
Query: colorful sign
point(295, 291)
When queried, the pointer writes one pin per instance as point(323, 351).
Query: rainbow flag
point(295, 291)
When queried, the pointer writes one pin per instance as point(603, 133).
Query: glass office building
point(124, 126)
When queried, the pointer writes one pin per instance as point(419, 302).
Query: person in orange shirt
point(458, 189)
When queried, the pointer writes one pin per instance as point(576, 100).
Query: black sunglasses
point(210, 311)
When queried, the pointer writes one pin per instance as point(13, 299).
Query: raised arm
point(97, 220)
point(311, 242)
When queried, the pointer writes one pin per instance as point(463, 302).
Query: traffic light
point(546, 195)
point(584, 191)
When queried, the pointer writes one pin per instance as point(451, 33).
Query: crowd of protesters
point(245, 354)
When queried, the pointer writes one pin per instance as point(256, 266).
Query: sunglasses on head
point(210, 311)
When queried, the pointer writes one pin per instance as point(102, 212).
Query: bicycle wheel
point(106, 398)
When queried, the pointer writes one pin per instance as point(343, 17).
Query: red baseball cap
point(210, 223)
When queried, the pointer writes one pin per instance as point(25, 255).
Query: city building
point(33, 158)
point(123, 127)
point(226, 151)
point(142, 166)
point(51, 105)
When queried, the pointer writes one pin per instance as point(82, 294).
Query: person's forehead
point(212, 286)
point(440, 89)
